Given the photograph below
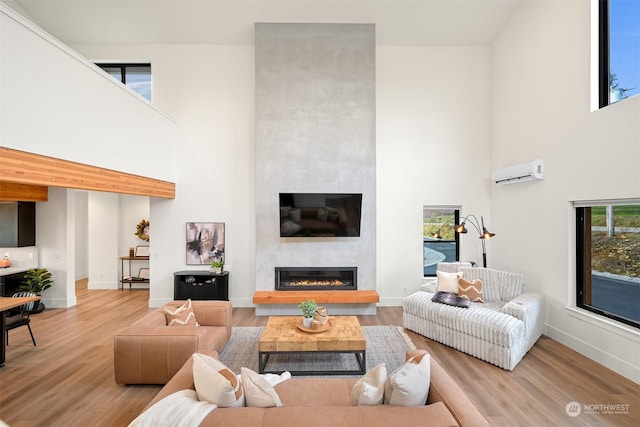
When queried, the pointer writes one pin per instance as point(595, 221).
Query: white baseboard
point(606, 359)
point(60, 302)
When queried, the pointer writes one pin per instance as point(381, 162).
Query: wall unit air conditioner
point(529, 171)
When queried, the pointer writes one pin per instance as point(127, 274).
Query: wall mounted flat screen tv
point(320, 214)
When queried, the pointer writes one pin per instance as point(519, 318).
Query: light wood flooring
point(67, 379)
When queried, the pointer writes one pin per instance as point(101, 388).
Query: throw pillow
point(409, 384)
point(284, 211)
point(215, 383)
point(369, 390)
point(289, 228)
point(450, 298)
point(322, 214)
point(448, 282)
point(259, 393)
point(470, 289)
point(295, 215)
point(181, 316)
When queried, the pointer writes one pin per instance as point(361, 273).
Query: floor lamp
point(484, 233)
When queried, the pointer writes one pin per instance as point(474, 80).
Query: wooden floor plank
point(67, 379)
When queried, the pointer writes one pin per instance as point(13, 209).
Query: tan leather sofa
point(150, 352)
point(327, 402)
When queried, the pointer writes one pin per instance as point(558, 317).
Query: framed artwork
point(143, 273)
point(205, 242)
point(142, 251)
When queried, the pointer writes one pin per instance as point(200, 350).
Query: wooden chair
point(19, 316)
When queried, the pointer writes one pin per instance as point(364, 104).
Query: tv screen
point(320, 214)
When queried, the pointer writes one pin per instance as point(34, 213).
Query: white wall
point(112, 220)
point(432, 119)
point(209, 90)
point(541, 109)
point(103, 246)
point(432, 149)
point(81, 226)
point(55, 239)
point(133, 209)
point(67, 109)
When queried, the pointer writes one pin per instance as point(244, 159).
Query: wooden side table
point(131, 279)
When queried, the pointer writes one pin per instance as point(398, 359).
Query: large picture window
point(439, 240)
point(619, 50)
point(608, 261)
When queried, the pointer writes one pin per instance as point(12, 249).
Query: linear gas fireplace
point(316, 278)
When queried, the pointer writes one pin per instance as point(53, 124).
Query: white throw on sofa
point(499, 330)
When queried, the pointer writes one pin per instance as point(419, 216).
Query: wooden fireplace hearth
point(319, 296)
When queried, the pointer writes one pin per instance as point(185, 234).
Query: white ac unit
point(529, 171)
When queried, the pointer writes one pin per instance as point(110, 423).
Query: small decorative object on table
point(216, 265)
point(308, 308)
point(132, 252)
point(315, 328)
point(321, 316)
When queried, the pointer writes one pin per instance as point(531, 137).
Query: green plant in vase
point(36, 280)
point(308, 308)
point(217, 265)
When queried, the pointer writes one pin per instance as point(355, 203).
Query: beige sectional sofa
point(327, 402)
point(150, 352)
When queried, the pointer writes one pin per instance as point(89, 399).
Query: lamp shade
point(460, 228)
point(486, 234)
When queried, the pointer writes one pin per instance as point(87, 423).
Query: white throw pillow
point(295, 215)
point(215, 383)
point(448, 282)
point(409, 384)
point(289, 228)
point(259, 393)
point(369, 390)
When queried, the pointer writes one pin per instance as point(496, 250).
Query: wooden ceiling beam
point(21, 167)
point(11, 191)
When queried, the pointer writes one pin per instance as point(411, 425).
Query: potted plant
point(308, 308)
point(36, 280)
point(217, 265)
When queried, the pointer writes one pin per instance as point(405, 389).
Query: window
point(619, 46)
point(136, 76)
point(608, 261)
point(439, 239)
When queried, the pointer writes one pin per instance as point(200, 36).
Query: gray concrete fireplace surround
point(315, 133)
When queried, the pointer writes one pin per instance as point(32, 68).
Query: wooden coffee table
point(282, 336)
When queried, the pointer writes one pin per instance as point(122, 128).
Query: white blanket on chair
point(180, 409)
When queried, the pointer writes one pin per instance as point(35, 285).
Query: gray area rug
point(386, 344)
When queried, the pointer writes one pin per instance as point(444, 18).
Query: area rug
point(386, 344)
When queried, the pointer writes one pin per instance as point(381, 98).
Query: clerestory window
point(136, 76)
point(619, 50)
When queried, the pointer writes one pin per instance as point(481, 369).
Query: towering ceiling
point(398, 22)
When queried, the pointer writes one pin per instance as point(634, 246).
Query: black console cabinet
point(200, 285)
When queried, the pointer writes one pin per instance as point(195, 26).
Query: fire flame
point(334, 282)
